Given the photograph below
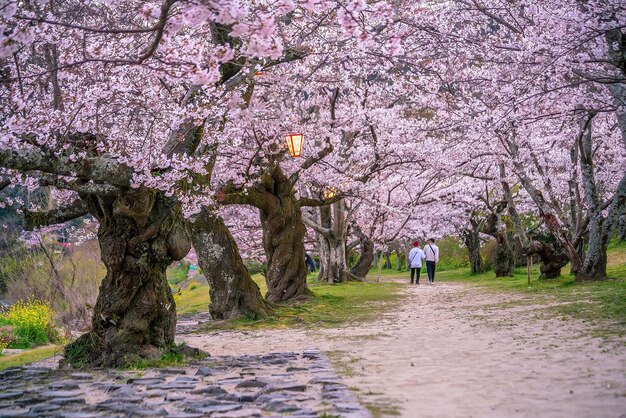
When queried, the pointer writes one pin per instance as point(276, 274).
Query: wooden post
point(529, 266)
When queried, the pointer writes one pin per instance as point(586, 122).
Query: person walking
point(416, 255)
point(431, 252)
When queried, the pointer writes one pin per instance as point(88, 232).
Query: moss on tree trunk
point(504, 261)
point(141, 232)
point(283, 240)
point(233, 292)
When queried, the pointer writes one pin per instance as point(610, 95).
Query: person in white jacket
point(431, 252)
point(414, 262)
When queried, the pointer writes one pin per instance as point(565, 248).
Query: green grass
point(192, 300)
point(599, 302)
point(330, 306)
point(169, 359)
point(29, 356)
point(177, 274)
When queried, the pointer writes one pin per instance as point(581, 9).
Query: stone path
point(270, 385)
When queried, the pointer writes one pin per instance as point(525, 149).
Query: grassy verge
point(29, 356)
point(331, 305)
point(598, 302)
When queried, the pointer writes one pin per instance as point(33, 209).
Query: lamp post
point(294, 144)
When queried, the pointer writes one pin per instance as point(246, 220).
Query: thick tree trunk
point(366, 258)
point(283, 231)
point(337, 268)
point(283, 240)
point(471, 238)
point(552, 260)
point(504, 261)
point(233, 292)
point(621, 232)
point(325, 220)
point(324, 257)
point(331, 231)
point(594, 264)
point(141, 232)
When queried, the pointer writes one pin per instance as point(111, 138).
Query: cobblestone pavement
point(270, 385)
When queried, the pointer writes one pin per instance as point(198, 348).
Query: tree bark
point(366, 258)
point(324, 256)
point(233, 292)
point(621, 232)
point(283, 240)
point(600, 229)
point(471, 239)
point(552, 259)
point(504, 262)
point(283, 232)
point(141, 232)
point(332, 230)
point(325, 221)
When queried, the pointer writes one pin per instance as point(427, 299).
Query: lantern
point(294, 143)
point(330, 192)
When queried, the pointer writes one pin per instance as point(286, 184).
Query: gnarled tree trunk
point(324, 257)
point(331, 230)
point(471, 239)
point(283, 240)
point(232, 290)
point(325, 221)
point(594, 263)
point(552, 260)
point(504, 261)
point(366, 257)
point(283, 232)
point(141, 232)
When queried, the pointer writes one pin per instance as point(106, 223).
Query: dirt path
point(446, 352)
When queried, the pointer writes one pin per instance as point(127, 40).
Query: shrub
point(254, 267)
point(3, 345)
point(31, 321)
point(452, 254)
point(177, 273)
point(71, 294)
point(7, 335)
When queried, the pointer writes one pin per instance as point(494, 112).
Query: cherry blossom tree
point(96, 101)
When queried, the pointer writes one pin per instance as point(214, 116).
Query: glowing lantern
point(330, 193)
point(294, 143)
